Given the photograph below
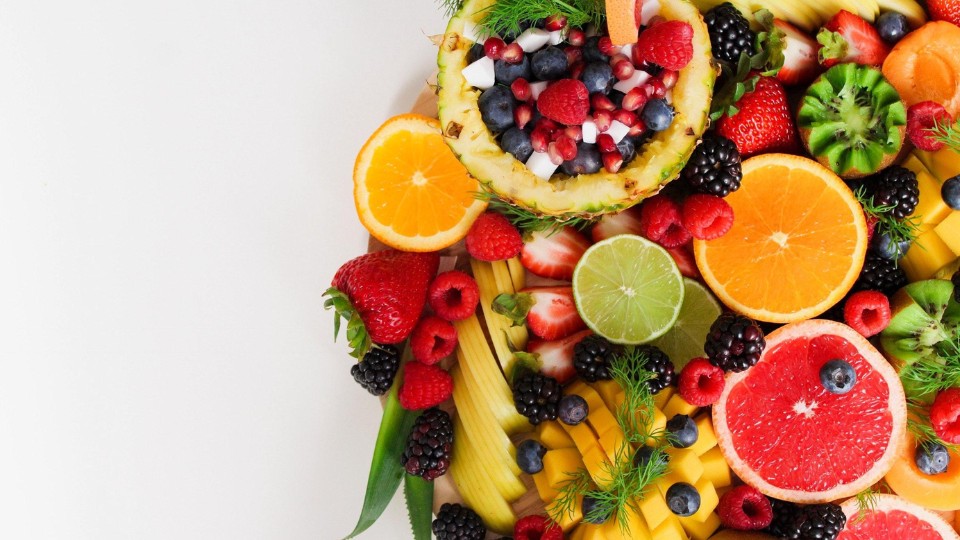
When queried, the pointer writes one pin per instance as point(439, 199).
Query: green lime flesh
point(628, 289)
point(684, 341)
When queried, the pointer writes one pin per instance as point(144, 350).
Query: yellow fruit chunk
point(949, 231)
point(661, 398)
point(706, 437)
point(670, 529)
point(596, 462)
point(592, 532)
point(608, 390)
point(615, 445)
point(942, 164)
point(567, 519)
point(583, 437)
point(684, 466)
point(715, 468)
point(602, 420)
point(708, 503)
point(653, 508)
point(677, 405)
point(657, 426)
point(924, 259)
point(553, 436)
point(931, 209)
point(593, 399)
point(636, 527)
point(701, 530)
point(492, 280)
point(559, 464)
point(546, 492)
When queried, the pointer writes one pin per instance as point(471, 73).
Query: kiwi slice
point(852, 120)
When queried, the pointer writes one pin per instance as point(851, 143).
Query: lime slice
point(684, 341)
point(628, 289)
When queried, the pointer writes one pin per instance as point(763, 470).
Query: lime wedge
point(684, 341)
point(628, 289)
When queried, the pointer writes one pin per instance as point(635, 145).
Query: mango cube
point(942, 164)
point(661, 398)
point(706, 438)
point(559, 464)
point(602, 420)
point(930, 209)
point(569, 519)
point(708, 501)
point(608, 391)
point(592, 532)
point(553, 436)
point(670, 529)
point(615, 445)
point(701, 530)
point(923, 262)
point(677, 405)
point(653, 508)
point(949, 231)
point(636, 527)
point(546, 491)
point(596, 463)
point(715, 468)
point(684, 466)
point(583, 437)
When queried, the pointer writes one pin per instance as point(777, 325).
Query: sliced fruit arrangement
point(893, 517)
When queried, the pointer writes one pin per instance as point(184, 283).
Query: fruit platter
point(668, 270)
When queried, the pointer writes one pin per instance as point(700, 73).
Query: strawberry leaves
point(514, 306)
point(357, 337)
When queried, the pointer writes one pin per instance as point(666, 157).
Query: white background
point(175, 195)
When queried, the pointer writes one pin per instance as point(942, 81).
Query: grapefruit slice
point(783, 433)
point(891, 518)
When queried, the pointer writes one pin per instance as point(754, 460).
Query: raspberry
point(493, 238)
point(923, 116)
point(707, 217)
point(701, 382)
point(867, 312)
point(660, 221)
point(668, 44)
point(745, 509)
point(453, 295)
point(566, 101)
point(537, 527)
point(433, 339)
point(424, 386)
point(945, 415)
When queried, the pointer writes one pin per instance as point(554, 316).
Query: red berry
point(668, 44)
point(605, 45)
point(574, 54)
point(424, 386)
point(707, 217)
point(547, 125)
point(945, 415)
point(623, 68)
point(513, 53)
point(493, 48)
point(612, 161)
point(522, 114)
point(577, 37)
point(600, 102)
point(493, 238)
point(567, 147)
point(605, 143)
point(537, 528)
point(433, 339)
point(867, 312)
point(635, 99)
point(871, 225)
point(701, 382)
point(944, 10)
point(521, 89)
point(566, 101)
point(661, 221)
point(743, 508)
point(625, 117)
point(555, 22)
point(453, 295)
point(922, 118)
point(603, 119)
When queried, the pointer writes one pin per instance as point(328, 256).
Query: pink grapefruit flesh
point(783, 433)
point(894, 518)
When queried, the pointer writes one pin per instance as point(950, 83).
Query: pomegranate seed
point(539, 139)
point(576, 37)
point(612, 161)
point(555, 22)
point(574, 54)
point(600, 102)
point(547, 125)
point(639, 128)
point(606, 46)
point(623, 69)
point(602, 119)
point(521, 89)
point(567, 148)
point(636, 57)
point(493, 47)
point(655, 88)
point(512, 53)
point(576, 69)
point(574, 132)
point(522, 114)
point(606, 143)
point(669, 78)
point(625, 117)
point(635, 99)
point(555, 156)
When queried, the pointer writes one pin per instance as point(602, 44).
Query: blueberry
point(516, 141)
point(549, 64)
point(950, 191)
point(496, 108)
point(572, 410)
point(884, 246)
point(475, 53)
point(588, 161)
point(627, 149)
point(684, 430)
point(658, 114)
point(892, 26)
point(683, 499)
point(591, 51)
point(590, 514)
point(530, 456)
point(838, 376)
point(616, 97)
point(644, 454)
point(932, 458)
point(598, 77)
point(505, 73)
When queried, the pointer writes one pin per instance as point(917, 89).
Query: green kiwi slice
point(924, 314)
point(852, 120)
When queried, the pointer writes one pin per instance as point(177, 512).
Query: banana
point(913, 11)
point(797, 14)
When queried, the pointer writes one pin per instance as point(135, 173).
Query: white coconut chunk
point(649, 10)
point(627, 50)
point(639, 77)
point(472, 32)
point(541, 165)
point(536, 88)
point(589, 131)
point(533, 39)
point(480, 73)
point(557, 37)
point(618, 130)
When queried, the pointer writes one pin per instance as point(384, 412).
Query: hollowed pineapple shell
point(659, 161)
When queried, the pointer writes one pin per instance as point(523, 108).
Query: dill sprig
point(506, 16)
point(629, 482)
point(450, 6)
point(899, 230)
point(935, 373)
point(635, 414)
point(947, 133)
point(867, 500)
point(528, 221)
point(568, 495)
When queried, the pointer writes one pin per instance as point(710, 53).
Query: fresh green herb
point(628, 484)
point(899, 230)
point(767, 61)
point(635, 414)
point(451, 6)
point(569, 495)
point(528, 221)
point(948, 134)
point(932, 374)
point(866, 503)
point(506, 16)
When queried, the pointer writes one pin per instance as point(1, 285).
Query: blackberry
point(376, 370)
point(659, 363)
point(591, 358)
point(812, 522)
point(537, 397)
point(429, 445)
point(896, 187)
point(714, 167)
point(457, 522)
point(730, 34)
point(734, 342)
point(879, 274)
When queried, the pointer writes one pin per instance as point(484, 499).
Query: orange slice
point(796, 246)
point(410, 191)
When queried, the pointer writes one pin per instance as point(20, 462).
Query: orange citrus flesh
point(796, 246)
point(410, 191)
point(925, 66)
point(622, 24)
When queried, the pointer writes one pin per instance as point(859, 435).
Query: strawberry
point(555, 358)
point(566, 101)
point(553, 255)
point(549, 312)
point(848, 38)
point(944, 10)
point(424, 386)
point(668, 44)
point(800, 64)
point(493, 238)
point(685, 260)
point(610, 225)
point(381, 295)
point(763, 122)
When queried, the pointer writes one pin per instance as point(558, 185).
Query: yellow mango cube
point(670, 529)
point(596, 463)
point(942, 164)
point(567, 519)
point(930, 209)
point(592, 532)
point(653, 508)
point(715, 468)
point(593, 399)
point(636, 527)
point(923, 262)
point(546, 491)
point(553, 436)
point(659, 424)
point(602, 420)
point(949, 231)
point(661, 398)
point(559, 464)
point(706, 436)
point(615, 445)
point(677, 405)
point(583, 437)
point(701, 530)
point(608, 391)
point(684, 466)
point(708, 501)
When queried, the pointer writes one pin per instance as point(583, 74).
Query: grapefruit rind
point(809, 329)
point(887, 503)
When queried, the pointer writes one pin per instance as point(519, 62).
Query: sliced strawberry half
point(849, 38)
point(800, 64)
point(549, 312)
point(685, 260)
point(555, 358)
point(553, 255)
point(610, 225)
